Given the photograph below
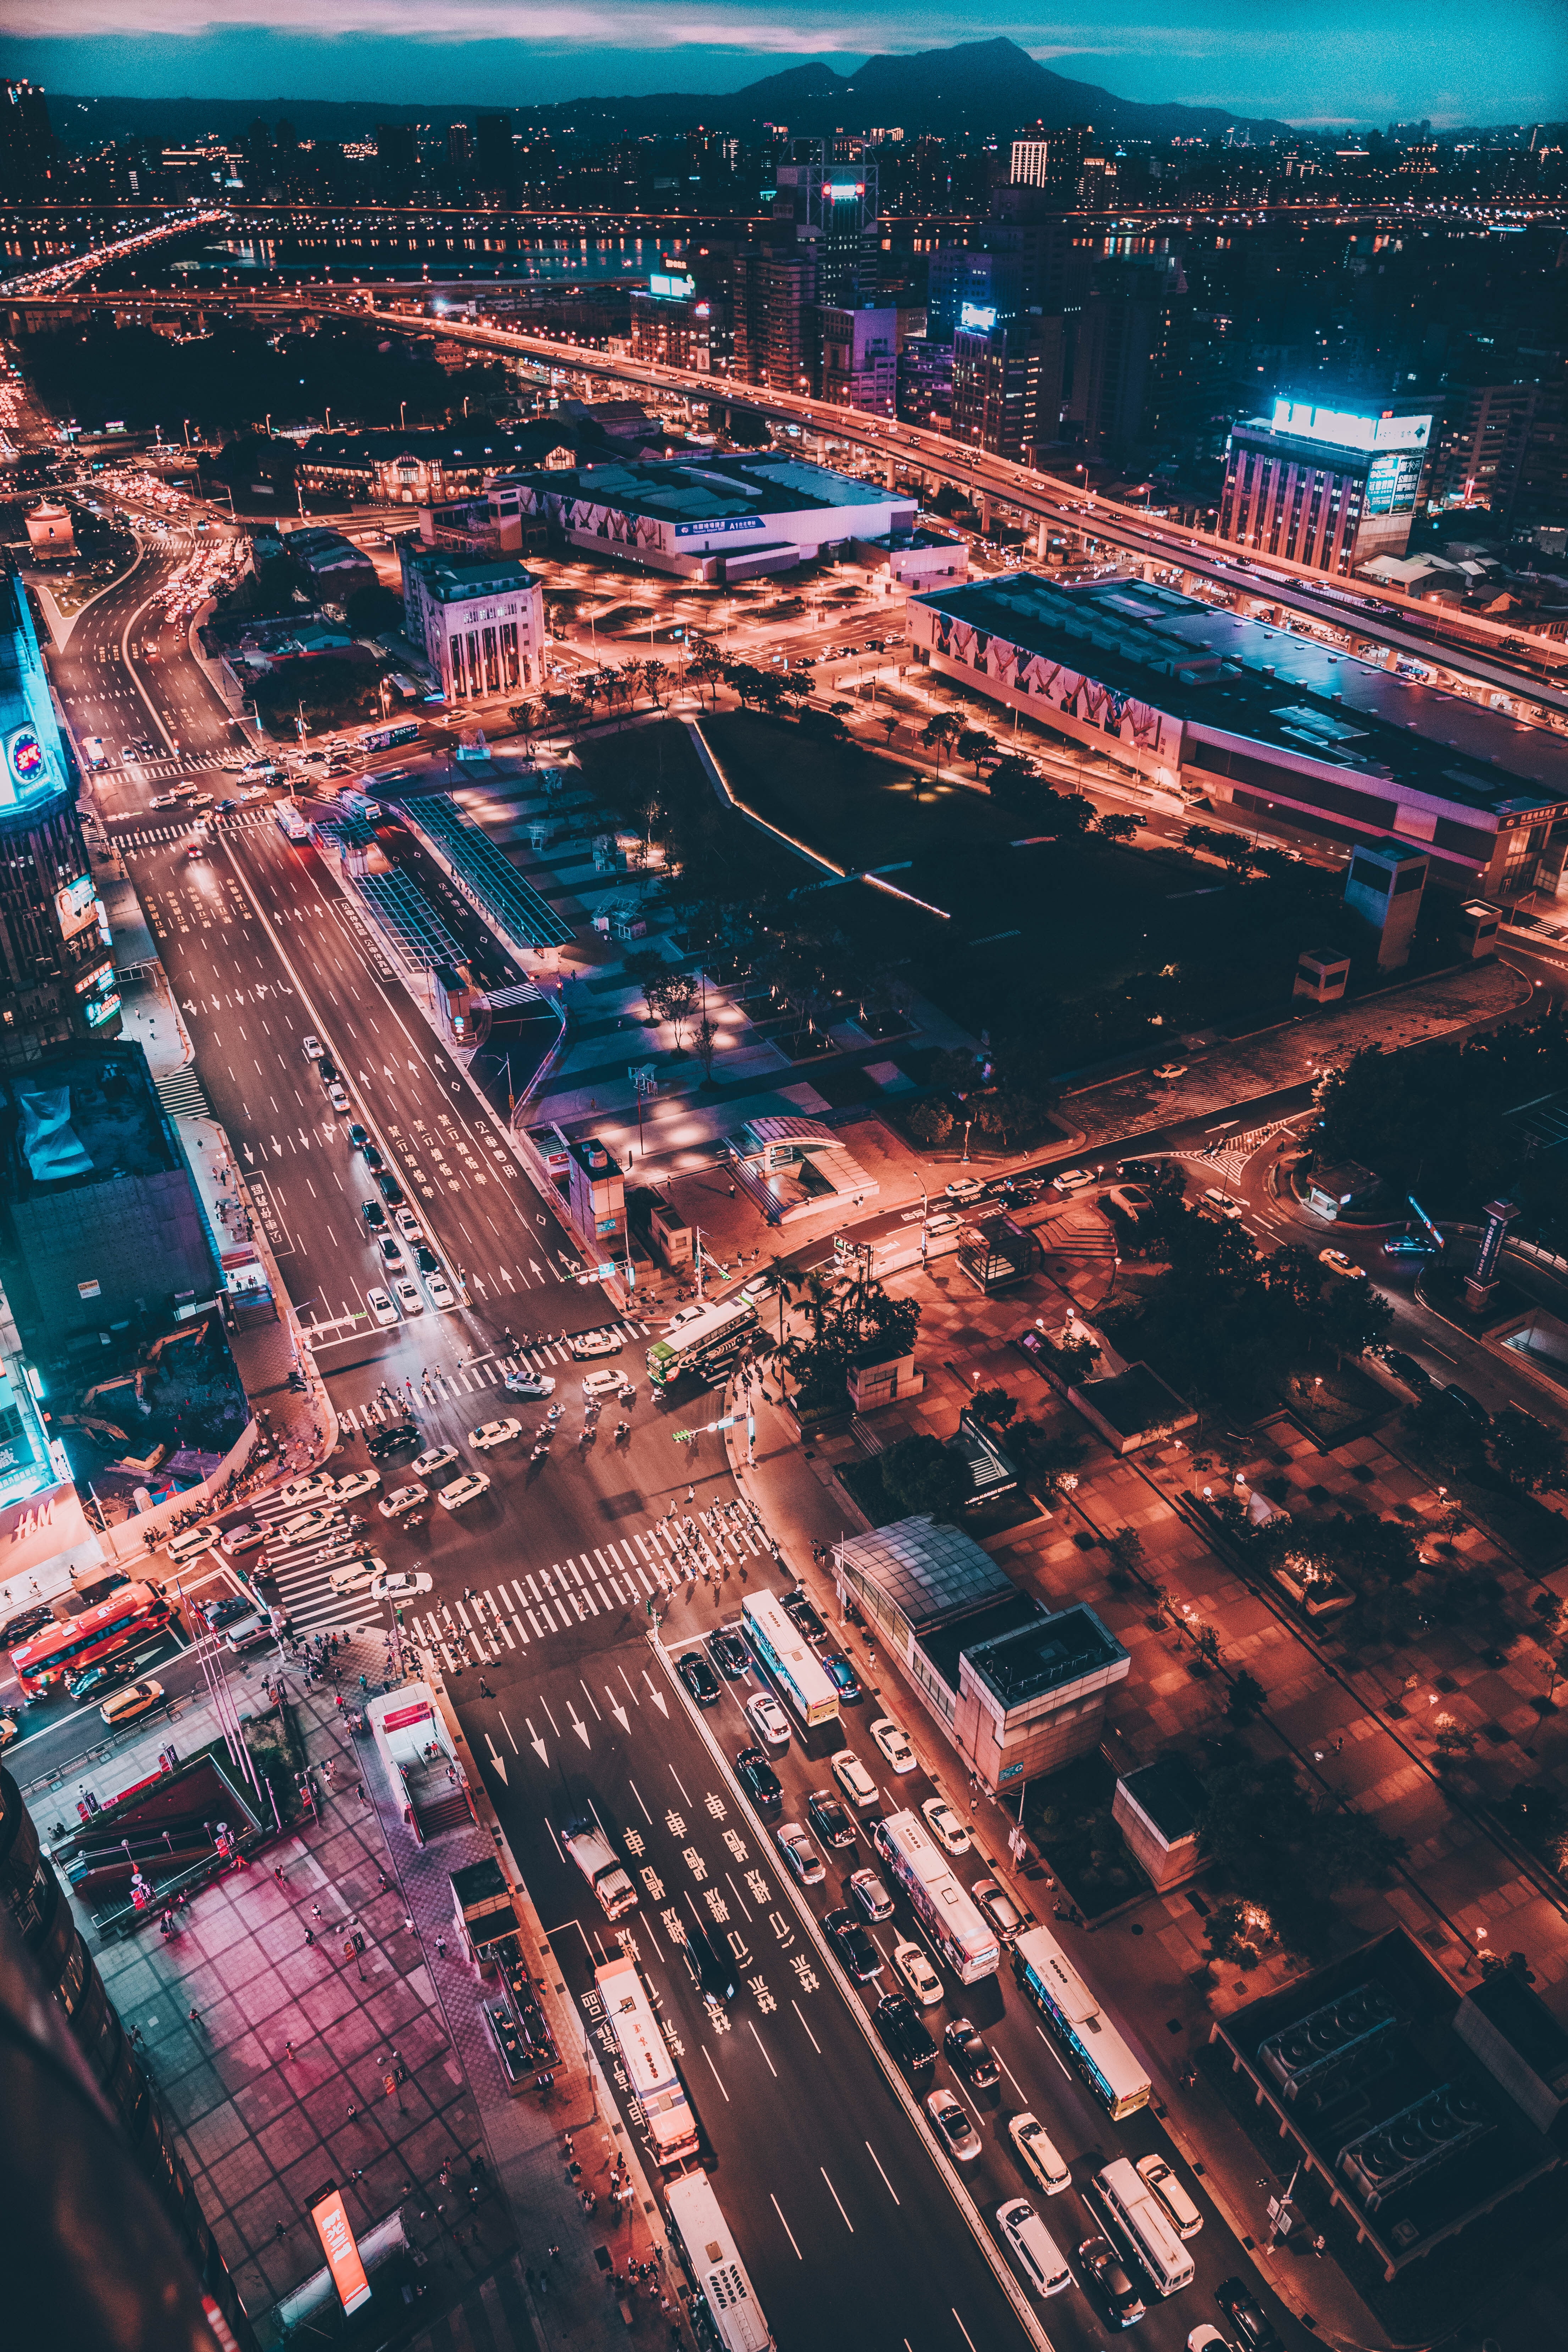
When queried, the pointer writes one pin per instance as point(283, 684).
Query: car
point(1405, 1368)
point(586, 1345)
point(1123, 2304)
point(9, 1729)
point(768, 1719)
point(391, 1189)
point(870, 1893)
point(389, 1249)
point(1206, 2337)
point(94, 1680)
point(1217, 1202)
point(359, 1136)
point(1471, 1406)
point(374, 1215)
point(804, 1617)
point(800, 1853)
point(965, 1187)
point(759, 1779)
point(1036, 2152)
point(235, 1542)
point(197, 849)
point(1000, 1912)
point(402, 1500)
point(136, 1699)
point(355, 1482)
point(401, 1584)
point(371, 1158)
point(219, 1613)
point(1131, 1199)
point(1411, 1247)
point(382, 1309)
point(1246, 2315)
point(302, 1527)
point(829, 1819)
point(1338, 1262)
point(406, 1293)
point(600, 1384)
point(898, 2022)
point(1142, 1171)
point(1071, 1180)
point(699, 1678)
point(945, 1221)
point(759, 1288)
point(952, 2127)
point(309, 1487)
point(390, 1439)
point(439, 1292)
point(353, 1575)
point(917, 1972)
point(312, 1048)
point(853, 1780)
point(968, 2055)
point(338, 1094)
point(1032, 2247)
point(841, 1674)
point(251, 1632)
point(466, 1489)
point(407, 1225)
point(531, 1384)
point(944, 1825)
point(327, 1070)
point(433, 1458)
point(1167, 2187)
point(893, 1741)
point(729, 1653)
point(489, 1435)
point(712, 1962)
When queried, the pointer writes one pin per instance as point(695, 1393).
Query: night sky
point(1322, 61)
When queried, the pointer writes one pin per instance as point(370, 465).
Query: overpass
point(1473, 656)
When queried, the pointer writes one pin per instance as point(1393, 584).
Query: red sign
point(341, 2249)
point(401, 1717)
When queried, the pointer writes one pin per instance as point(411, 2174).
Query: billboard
point(76, 906)
point(1344, 428)
point(669, 288)
point(719, 527)
point(339, 2244)
point(28, 767)
point(1393, 479)
point(1076, 696)
point(977, 317)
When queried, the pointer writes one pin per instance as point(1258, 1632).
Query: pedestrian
point(278, 2232)
point(277, 1872)
point(408, 1927)
point(353, 2111)
point(195, 2016)
point(315, 1910)
point(309, 1938)
point(288, 2050)
point(691, 1494)
point(359, 1790)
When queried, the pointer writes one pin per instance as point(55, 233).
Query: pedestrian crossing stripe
point(470, 1378)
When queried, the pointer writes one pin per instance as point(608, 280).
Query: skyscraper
point(26, 140)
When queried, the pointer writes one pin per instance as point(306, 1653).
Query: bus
point(1092, 2042)
point(388, 739)
point(137, 1612)
point(789, 1658)
point(653, 2077)
point(290, 821)
point(968, 1947)
point(705, 1343)
point(1139, 2219)
point(702, 2240)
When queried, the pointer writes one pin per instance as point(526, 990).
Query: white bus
point(703, 2238)
point(789, 1658)
point(289, 821)
point(653, 2077)
point(1092, 2041)
point(967, 1945)
point(1139, 2219)
point(704, 1344)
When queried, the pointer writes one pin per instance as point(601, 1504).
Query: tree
point(1065, 815)
point(706, 666)
point(1246, 1696)
point(705, 1046)
point(1050, 1459)
point(650, 970)
point(920, 1474)
point(995, 1408)
point(930, 1122)
point(372, 610)
point(976, 745)
point(654, 673)
point(1525, 1452)
point(1119, 828)
point(941, 733)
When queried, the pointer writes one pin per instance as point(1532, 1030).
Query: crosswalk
point(181, 1094)
point(163, 765)
point(302, 1572)
point(151, 837)
point(1237, 1150)
point(488, 1373)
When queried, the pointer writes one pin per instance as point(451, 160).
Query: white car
point(407, 1225)
point(531, 1384)
point(381, 1307)
point(301, 1524)
point(491, 1433)
point(401, 1584)
point(595, 1343)
point(433, 1458)
point(599, 1385)
point(405, 1290)
point(954, 2130)
point(1071, 1180)
point(390, 1251)
point(338, 1094)
point(1036, 2152)
point(944, 1825)
point(312, 1048)
point(308, 1487)
point(1338, 1262)
point(768, 1720)
point(1168, 2189)
point(917, 1973)
point(894, 1743)
point(356, 1482)
point(354, 1575)
point(439, 1292)
point(463, 1490)
point(853, 1780)
point(401, 1499)
point(965, 1187)
point(800, 1853)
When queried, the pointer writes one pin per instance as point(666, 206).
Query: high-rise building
point(27, 139)
point(1479, 445)
point(459, 146)
point(858, 357)
point(975, 288)
point(57, 964)
point(1007, 386)
point(1325, 485)
point(1126, 357)
point(493, 151)
point(1053, 159)
point(832, 204)
point(396, 151)
point(775, 292)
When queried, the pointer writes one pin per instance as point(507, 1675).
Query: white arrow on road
point(498, 1763)
point(578, 1726)
point(537, 1267)
point(188, 1006)
point(617, 1709)
point(657, 1696)
point(535, 1742)
point(250, 1155)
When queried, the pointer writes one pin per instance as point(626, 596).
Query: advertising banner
point(1070, 691)
point(342, 2250)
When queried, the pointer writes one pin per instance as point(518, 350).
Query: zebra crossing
point(629, 1573)
point(163, 765)
point(468, 1380)
point(152, 836)
point(1237, 1150)
point(302, 1572)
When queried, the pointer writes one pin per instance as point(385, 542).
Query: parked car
point(898, 2022)
point(1072, 1180)
point(968, 2055)
point(999, 1909)
point(768, 1719)
point(699, 1678)
point(1468, 1404)
point(829, 1819)
point(952, 2127)
point(944, 1825)
point(917, 1973)
point(1408, 1369)
point(870, 1893)
point(759, 1779)
point(894, 1742)
point(855, 1951)
point(800, 1853)
point(965, 1187)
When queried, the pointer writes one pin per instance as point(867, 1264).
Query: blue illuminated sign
point(707, 530)
point(977, 317)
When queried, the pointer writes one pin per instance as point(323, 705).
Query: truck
point(595, 1857)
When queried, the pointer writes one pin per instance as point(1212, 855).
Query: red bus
point(130, 1615)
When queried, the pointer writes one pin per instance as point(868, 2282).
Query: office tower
point(26, 140)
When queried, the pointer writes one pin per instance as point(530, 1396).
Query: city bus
point(789, 1658)
point(653, 2077)
point(1138, 2219)
point(1117, 2079)
point(703, 2241)
point(705, 1344)
point(388, 739)
point(968, 1947)
point(289, 821)
point(137, 1612)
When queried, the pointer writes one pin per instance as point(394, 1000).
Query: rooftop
point(452, 578)
point(1243, 677)
point(933, 1574)
point(703, 490)
point(1023, 1662)
point(1169, 1794)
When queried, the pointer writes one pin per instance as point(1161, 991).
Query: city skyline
point(1398, 62)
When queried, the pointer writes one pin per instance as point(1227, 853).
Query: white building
point(480, 620)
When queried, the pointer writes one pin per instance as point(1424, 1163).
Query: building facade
point(858, 357)
point(1331, 488)
point(480, 620)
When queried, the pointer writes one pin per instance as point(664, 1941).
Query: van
point(1218, 1203)
point(248, 1634)
point(1032, 2246)
point(190, 1544)
point(1168, 2189)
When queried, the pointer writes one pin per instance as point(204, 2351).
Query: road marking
point(838, 2201)
point(766, 2059)
point(809, 2034)
point(778, 2208)
point(962, 2330)
point(886, 2182)
point(719, 2080)
point(1051, 2047)
point(638, 1794)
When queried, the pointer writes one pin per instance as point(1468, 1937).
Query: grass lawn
point(1335, 1404)
point(1538, 1536)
